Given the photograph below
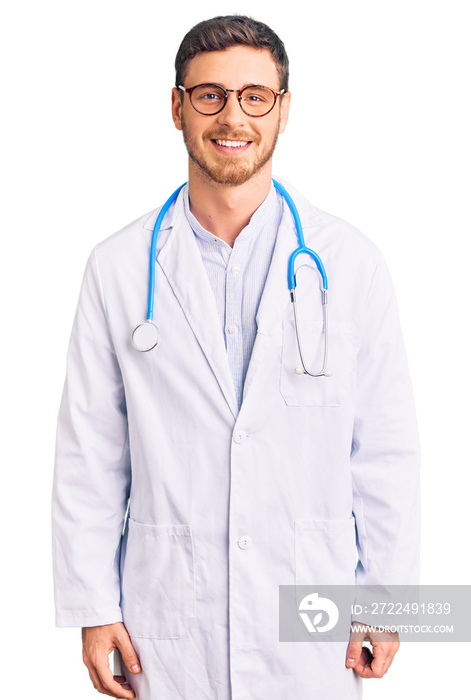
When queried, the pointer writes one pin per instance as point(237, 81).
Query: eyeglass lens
point(210, 99)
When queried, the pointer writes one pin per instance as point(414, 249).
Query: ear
point(284, 110)
point(177, 108)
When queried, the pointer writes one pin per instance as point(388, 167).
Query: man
point(242, 471)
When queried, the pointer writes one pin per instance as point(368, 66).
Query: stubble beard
point(229, 170)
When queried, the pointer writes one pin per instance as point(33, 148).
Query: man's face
point(233, 68)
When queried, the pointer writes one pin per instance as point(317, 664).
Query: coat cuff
point(88, 618)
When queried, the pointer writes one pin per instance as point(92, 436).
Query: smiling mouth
point(230, 147)
point(230, 144)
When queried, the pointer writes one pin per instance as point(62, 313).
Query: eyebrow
point(209, 82)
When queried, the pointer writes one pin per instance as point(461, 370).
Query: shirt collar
point(257, 220)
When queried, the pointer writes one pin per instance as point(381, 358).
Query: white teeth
point(231, 144)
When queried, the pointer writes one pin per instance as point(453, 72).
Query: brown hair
point(220, 33)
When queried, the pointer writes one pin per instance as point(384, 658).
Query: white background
point(379, 135)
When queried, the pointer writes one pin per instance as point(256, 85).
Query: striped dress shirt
point(237, 277)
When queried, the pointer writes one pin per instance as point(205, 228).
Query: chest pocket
point(299, 389)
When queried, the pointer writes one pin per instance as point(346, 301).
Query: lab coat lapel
point(183, 266)
point(275, 295)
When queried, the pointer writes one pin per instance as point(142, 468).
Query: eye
point(209, 96)
point(257, 95)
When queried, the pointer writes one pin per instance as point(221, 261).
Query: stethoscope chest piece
point(145, 337)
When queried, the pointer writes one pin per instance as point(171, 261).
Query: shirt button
point(240, 436)
point(232, 330)
point(244, 542)
point(236, 270)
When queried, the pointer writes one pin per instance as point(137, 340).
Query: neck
point(225, 210)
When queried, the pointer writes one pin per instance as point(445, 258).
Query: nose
point(232, 115)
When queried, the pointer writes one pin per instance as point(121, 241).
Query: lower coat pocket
point(157, 580)
point(325, 551)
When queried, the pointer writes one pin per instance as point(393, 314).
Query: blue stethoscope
point(146, 336)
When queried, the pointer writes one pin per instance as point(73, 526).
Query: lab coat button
point(244, 542)
point(240, 436)
point(235, 270)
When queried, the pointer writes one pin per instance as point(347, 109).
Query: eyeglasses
point(254, 100)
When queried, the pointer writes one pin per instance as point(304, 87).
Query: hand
point(360, 658)
point(97, 643)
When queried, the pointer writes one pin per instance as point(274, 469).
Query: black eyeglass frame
point(226, 92)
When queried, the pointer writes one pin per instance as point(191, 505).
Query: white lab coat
point(226, 505)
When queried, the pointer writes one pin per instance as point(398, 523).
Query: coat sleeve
point(385, 452)
point(92, 469)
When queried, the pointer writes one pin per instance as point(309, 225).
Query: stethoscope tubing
point(302, 245)
point(146, 336)
point(153, 248)
point(291, 274)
